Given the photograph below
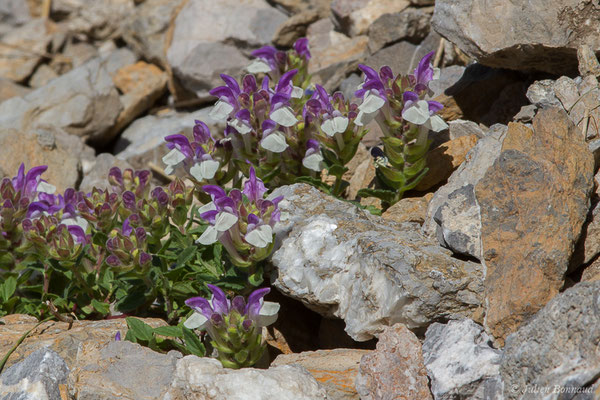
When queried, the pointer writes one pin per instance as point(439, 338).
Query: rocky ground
point(483, 283)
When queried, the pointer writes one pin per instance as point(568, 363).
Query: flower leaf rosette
point(242, 221)
point(398, 105)
point(233, 325)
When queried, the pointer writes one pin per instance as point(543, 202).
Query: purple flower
point(301, 47)
point(424, 73)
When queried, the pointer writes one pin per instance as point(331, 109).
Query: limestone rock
point(453, 214)
point(97, 176)
point(525, 35)
point(205, 378)
point(335, 370)
point(354, 17)
point(298, 6)
point(103, 371)
point(14, 12)
point(343, 262)
point(461, 362)
point(37, 377)
point(588, 63)
point(411, 25)
point(57, 337)
point(202, 45)
point(533, 201)
point(409, 209)
point(395, 370)
point(460, 127)
point(83, 102)
point(444, 159)
point(557, 347)
point(10, 89)
point(449, 76)
point(294, 28)
point(541, 94)
point(42, 75)
point(20, 52)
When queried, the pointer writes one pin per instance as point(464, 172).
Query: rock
point(294, 28)
point(588, 63)
point(449, 76)
point(409, 209)
point(143, 141)
point(10, 89)
point(395, 370)
point(333, 54)
point(461, 362)
point(453, 214)
point(411, 25)
point(349, 86)
point(508, 35)
point(298, 6)
point(421, 3)
point(83, 102)
point(581, 101)
point(40, 147)
point(541, 94)
point(207, 37)
point(141, 84)
point(444, 159)
point(526, 114)
point(533, 201)
point(354, 17)
point(20, 52)
point(205, 378)
point(118, 59)
point(14, 13)
point(461, 128)
point(557, 347)
point(335, 370)
point(403, 57)
point(98, 174)
point(104, 370)
point(57, 337)
point(95, 19)
point(37, 377)
point(145, 30)
point(42, 75)
point(342, 262)
point(591, 273)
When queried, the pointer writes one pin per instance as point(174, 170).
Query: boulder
point(343, 262)
point(524, 35)
point(355, 16)
point(411, 24)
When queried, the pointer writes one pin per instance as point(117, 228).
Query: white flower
point(260, 237)
point(204, 170)
point(313, 162)
point(418, 114)
point(368, 109)
point(335, 125)
point(297, 92)
point(45, 187)
point(274, 142)
point(284, 116)
point(220, 111)
point(223, 221)
point(240, 126)
point(172, 160)
point(258, 66)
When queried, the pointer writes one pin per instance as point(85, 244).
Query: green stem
point(12, 349)
point(337, 186)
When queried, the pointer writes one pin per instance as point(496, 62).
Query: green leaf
point(186, 255)
point(171, 331)
point(193, 343)
point(337, 170)
point(102, 308)
point(256, 279)
point(7, 289)
point(139, 329)
point(99, 239)
point(382, 194)
point(314, 182)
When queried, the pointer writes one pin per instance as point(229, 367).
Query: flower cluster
point(398, 105)
point(233, 325)
point(242, 221)
point(275, 62)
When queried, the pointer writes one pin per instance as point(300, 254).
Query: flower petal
point(335, 125)
point(196, 321)
point(284, 116)
point(268, 313)
point(313, 162)
point(172, 159)
point(204, 170)
point(224, 221)
point(258, 66)
point(297, 92)
point(210, 236)
point(417, 113)
point(371, 103)
point(221, 110)
point(274, 142)
point(207, 207)
point(436, 123)
point(260, 237)
point(45, 187)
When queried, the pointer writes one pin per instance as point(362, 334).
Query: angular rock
point(57, 337)
point(588, 63)
point(349, 86)
point(37, 377)
point(461, 362)
point(42, 75)
point(21, 48)
point(80, 53)
point(460, 127)
point(533, 201)
point(10, 89)
point(541, 94)
point(444, 159)
point(453, 214)
point(556, 348)
point(143, 141)
point(411, 25)
point(508, 35)
point(526, 114)
point(141, 84)
point(97, 176)
point(14, 12)
point(115, 59)
point(591, 273)
point(335, 370)
point(207, 36)
point(395, 370)
point(83, 102)
point(294, 28)
point(409, 209)
point(354, 17)
point(298, 6)
point(121, 368)
point(204, 378)
point(449, 76)
point(145, 30)
point(333, 54)
point(40, 147)
point(343, 262)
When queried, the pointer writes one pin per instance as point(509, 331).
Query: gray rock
point(448, 77)
point(523, 35)
point(355, 17)
point(123, 368)
point(350, 85)
point(541, 94)
point(557, 347)
point(97, 176)
point(14, 12)
point(342, 262)
point(411, 25)
point(35, 378)
point(10, 89)
point(453, 214)
point(205, 378)
point(208, 36)
point(42, 75)
point(461, 362)
point(461, 127)
point(117, 59)
point(143, 141)
point(145, 30)
point(83, 102)
point(526, 114)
